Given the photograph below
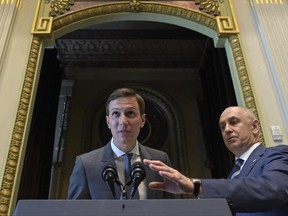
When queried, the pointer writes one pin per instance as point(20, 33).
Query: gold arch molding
point(46, 28)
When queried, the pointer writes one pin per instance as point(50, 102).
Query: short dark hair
point(126, 92)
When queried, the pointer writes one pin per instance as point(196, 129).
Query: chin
point(232, 144)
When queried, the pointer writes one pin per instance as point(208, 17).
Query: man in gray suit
point(125, 110)
point(258, 188)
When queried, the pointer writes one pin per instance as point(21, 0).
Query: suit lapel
point(144, 154)
point(108, 155)
point(150, 174)
point(252, 160)
point(108, 159)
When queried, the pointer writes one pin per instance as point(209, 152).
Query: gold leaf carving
point(209, 6)
point(243, 76)
point(17, 137)
point(226, 26)
point(134, 5)
point(60, 6)
point(43, 26)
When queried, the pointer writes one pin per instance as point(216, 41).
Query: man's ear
point(256, 126)
point(143, 117)
point(107, 121)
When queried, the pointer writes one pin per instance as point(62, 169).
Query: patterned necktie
point(236, 169)
point(128, 157)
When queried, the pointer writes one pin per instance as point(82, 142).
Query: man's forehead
point(123, 108)
point(123, 103)
point(124, 100)
point(233, 112)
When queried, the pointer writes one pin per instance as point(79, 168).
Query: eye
point(234, 121)
point(115, 114)
point(222, 127)
point(131, 113)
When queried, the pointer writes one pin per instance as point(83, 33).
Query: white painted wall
point(12, 74)
point(267, 100)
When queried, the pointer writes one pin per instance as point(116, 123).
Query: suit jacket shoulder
point(262, 180)
point(153, 154)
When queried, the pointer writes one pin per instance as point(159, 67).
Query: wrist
point(196, 185)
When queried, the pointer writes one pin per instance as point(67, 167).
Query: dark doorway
point(35, 177)
point(178, 64)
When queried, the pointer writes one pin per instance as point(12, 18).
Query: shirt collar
point(247, 153)
point(119, 152)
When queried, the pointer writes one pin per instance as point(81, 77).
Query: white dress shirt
point(120, 166)
point(246, 154)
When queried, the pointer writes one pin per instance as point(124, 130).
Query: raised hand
point(174, 181)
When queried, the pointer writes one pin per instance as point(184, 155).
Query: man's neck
point(119, 152)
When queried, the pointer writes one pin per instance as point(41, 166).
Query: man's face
point(125, 122)
point(239, 131)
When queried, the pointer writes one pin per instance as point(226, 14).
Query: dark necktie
point(128, 157)
point(236, 169)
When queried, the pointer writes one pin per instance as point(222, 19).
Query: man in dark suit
point(125, 110)
point(259, 188)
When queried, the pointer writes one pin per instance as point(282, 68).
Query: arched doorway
point(157, 12)
point(170, 68)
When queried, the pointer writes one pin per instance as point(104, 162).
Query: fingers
point(174, 181)
point(157, 185)
point(156, 165)
point(154, 162)
point(162, 168)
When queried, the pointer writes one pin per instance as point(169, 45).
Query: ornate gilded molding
point(43, 26)
point(226, 26)
point(134, 5)
point(243, 76)
point(242, 72)
point(19, 128)
point(149, 7)
point(270, 1)
point(209, 6)
point(58, 7)
point(226, 23)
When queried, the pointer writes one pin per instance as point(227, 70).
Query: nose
point(123, 119)
point(227, 128)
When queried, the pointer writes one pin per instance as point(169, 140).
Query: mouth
point(123, 131)
point(231, 138)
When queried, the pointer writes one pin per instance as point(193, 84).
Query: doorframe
point(222, 29)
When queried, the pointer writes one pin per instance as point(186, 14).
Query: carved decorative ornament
point(59, 6)
point(19, 128)
point(209, 6)
point(134, 5)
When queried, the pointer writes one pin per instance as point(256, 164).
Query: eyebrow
point(228, 119)
point(124, 109)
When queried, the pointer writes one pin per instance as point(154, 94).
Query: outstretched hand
point(174, 181)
